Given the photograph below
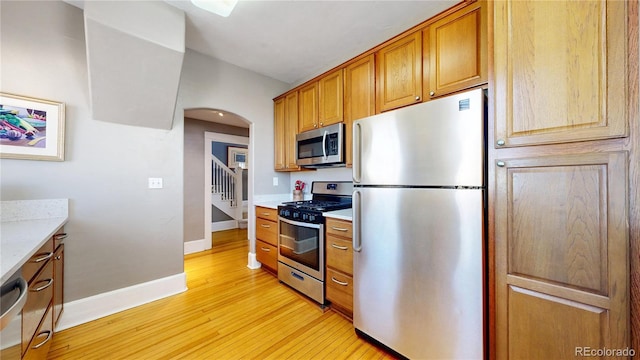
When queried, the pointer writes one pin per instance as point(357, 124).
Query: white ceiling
point(293, 41)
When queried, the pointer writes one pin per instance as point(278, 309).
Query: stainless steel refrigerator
point(418, 213)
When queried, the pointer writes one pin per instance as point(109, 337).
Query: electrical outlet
point(155, 183)
point(275, 181)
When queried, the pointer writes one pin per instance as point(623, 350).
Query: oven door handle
point(300, 223)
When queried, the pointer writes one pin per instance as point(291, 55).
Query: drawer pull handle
point(49, 334)
point(265, 249)
point(339, 282)
point(339, 229)
point(60, 236)
point(265, 226)
point(58, 257)
point(339, 247)
point(266, 214)
point(43, 257)
point(49, 282)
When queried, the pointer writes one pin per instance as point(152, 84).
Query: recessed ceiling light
point(220, 7)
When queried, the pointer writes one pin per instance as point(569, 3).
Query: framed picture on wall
point(237, 157)
point(31, 129)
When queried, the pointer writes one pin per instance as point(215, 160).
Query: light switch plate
point(155, 183)
point(275, 181)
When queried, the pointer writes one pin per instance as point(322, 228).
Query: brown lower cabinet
point(44, 274)
point(339, 274)
point(267, 238)
point(562, 255)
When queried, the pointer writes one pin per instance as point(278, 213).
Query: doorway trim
point(208, 138)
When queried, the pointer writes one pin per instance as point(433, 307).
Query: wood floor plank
point(228, 312)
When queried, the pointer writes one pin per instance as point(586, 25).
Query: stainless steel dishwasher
point(13, 296)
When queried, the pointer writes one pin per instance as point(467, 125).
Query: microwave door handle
point(324, 144)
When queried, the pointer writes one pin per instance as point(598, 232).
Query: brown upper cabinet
point(308, 107)
point(359, 96)
point(560, 71)
point(399, 73)
point(455, 51)
point(331, 93)
point(285, 130)
point(279, 134)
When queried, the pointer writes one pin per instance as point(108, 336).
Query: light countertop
point(344, 214)
point(271, 204)
point(26, 231)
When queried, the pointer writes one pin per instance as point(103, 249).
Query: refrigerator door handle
point(356, 153)
point(357, 203)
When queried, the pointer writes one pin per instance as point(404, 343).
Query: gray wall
point(194, 172)
point(121, 232)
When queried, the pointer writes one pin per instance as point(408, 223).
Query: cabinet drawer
point(340, 289)
point(38, 300)
point(339, 254)
point(339, 227)
point(267, 254)
point(267, 231)
point(35, 263)
point(41, 342)
point(266, 213)
point(58, 238)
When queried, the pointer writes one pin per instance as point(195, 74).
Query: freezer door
point(437, 143)
point(418, 270)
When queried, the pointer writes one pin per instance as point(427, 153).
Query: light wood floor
point(229, 312)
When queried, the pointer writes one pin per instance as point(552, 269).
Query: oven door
point(301, 246)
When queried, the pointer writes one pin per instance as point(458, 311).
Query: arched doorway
point(202, 126)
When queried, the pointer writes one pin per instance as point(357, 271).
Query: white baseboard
point(224, 225)
point(94, 307)
point(195, 246)
point(253, 263)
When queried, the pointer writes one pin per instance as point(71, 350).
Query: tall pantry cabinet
point(563, 169)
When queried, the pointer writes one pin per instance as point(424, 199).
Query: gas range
point(301, 243)
point(327, 196)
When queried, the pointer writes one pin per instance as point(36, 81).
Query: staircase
point(226, 189)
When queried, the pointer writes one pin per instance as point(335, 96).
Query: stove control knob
point(305, 216)
point(296, 214)
point(312, 217)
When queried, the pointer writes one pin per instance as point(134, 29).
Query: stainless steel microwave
point(323, 147)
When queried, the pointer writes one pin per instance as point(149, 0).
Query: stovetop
point(319, 205)
point(327, 196)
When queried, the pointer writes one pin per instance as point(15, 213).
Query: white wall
point(121, 233)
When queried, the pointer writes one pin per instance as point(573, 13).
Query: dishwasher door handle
point(15, 308)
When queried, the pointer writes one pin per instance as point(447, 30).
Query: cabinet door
point(456, 49)
point(279, 135)
point(58, 283)
point(560, 71)
point(399, 73)
point(561, 240)
point(359, 97)
point(291, 129)
point(331, 98)
point(308, 107)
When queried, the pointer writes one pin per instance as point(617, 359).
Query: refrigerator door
point(418, 270)
point(438, 143)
